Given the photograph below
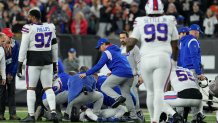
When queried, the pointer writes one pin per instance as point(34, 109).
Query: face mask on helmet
point(154, 7)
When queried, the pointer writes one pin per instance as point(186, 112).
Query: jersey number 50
point(40, 39)
point(150, 29)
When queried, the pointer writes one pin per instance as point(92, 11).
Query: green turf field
point(22, 112)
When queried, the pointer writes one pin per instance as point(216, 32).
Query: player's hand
point(140, 81)
point(108, 74)
point(201, 77)
point(3, 82)
point(82, 75)
point(19, 70)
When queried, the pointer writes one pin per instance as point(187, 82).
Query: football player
point(155, 31)
point(39, 48)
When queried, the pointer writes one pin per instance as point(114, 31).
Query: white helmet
point(154, 7)
point(57, 85)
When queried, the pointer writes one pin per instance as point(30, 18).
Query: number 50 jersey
point(38, 44)
point(155, 33)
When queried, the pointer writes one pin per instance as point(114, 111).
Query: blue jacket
point(108, 101)
point(190, 54)
point(11, 59)
point(63, 76)
point(115, 61)
point(76, 84)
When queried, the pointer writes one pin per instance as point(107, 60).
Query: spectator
point(171, 10)
point(71, 63)
point(6, 18)
point(11, 48)
point(105, 18)
point(2, 22)
point(180, 22)
point(209, 23)
point(79, 24)
point(134, 12)
point(83, 7)
point(17, 19)
point(196, 16)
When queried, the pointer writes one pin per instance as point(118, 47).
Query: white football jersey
point(36, 37)
point(155, 33)
point(133, 58)
point(182, 78)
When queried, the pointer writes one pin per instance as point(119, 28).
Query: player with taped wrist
point(39, 48)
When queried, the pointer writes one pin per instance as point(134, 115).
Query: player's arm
point(174, 40)
point(25, 40)
point(54, 48)
point(104, 58)
point(194, 47)
point(134, 37)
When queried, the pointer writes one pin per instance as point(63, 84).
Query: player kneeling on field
point(185, 94)
point(82, 92)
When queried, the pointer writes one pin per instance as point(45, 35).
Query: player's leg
point(32, 77)
point(107, 87)
point(134, 91)
point(97, 98)
point(160, 77)
point(146, 73)
point(125, 91)
point(46, 80)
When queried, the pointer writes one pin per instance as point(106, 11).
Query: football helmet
point(154, 7)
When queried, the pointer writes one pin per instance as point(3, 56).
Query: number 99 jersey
point(37, 44)
point(155, 33)
point(182, 78)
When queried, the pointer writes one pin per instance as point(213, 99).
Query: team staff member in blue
point(121, 74)
point(183, 31)
point(190, 52)
point(11, 48)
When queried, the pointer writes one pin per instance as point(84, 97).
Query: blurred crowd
point(106, 17)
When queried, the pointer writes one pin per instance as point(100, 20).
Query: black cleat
point(118, 101)
point(141, 116)
point(200, 118)
point(163, 117)
point(177, 118)
point(54, 117)
point(66, 117)
point(28, 118)
point(14, 117)
point(74, 117)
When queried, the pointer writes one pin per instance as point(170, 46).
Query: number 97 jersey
point(37, 44)
point(155, 33)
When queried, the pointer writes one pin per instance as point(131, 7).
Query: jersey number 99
point(40, 39)
point(150, 29)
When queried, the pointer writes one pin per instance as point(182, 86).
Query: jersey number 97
point(40, 38)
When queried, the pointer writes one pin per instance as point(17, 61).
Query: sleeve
point(104, 58)
point(137, 58)
point(215, 20)
point(25, 40)
point(3, 65)
point(194, 48)
point(15, 58)
point(175, 35)
point(136, 32)
point(54, 46)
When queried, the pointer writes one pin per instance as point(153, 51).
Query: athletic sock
point(31, 99)
point(51, 99)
